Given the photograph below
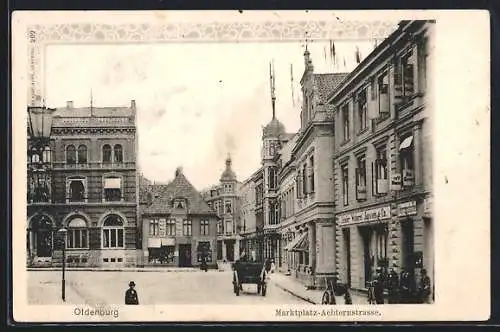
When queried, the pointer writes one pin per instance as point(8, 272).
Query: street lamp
point(39, 152)
point(63, 231)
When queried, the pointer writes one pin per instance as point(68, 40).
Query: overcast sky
point(195, 102)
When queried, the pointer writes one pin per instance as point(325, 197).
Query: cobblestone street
point(190, 287)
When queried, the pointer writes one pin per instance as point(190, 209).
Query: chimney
point(132, 104)
point(178, 171)
point(69, 104)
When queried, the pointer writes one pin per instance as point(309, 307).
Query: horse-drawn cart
point(249, 273)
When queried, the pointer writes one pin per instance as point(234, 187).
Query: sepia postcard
point(279, 166)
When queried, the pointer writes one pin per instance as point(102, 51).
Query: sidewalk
point(296, 288)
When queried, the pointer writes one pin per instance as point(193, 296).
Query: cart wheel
point(326, 298)
point(264, 289)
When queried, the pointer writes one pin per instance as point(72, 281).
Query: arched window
point(118, 150)
point(71, 154)
point(82, 154)
point(112, 232)
point(78, 234)
point(106, 153)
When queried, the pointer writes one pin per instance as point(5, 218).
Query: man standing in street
point(379, 287)
point(131, 296)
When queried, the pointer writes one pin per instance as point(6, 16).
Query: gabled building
point(312, 229)
point(178, 226)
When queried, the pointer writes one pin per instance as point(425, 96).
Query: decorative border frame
point(40, 36)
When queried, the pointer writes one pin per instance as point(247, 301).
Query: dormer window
point(180, 204)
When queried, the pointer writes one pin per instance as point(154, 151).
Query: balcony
point(93, 166)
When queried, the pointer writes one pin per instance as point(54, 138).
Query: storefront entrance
point(347, 251)
point(230, 250)
point(40, 237)
point(185, 255)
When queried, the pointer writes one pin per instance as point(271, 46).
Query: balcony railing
point(94, 165)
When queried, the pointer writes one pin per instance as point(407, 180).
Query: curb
point(307, 299)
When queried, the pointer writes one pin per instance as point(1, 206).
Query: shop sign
point(407, 209)
point(365, 216)
point(169, 241)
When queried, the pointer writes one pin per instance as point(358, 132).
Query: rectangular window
point(154, 227)
point(113, 238)
point(170, 227)
point(406, 158)
point(361, 178)
point(345, 122)
point(381, 176)
point(229, 227)
point(383, 95)
point(186, 227)
point(362, 109)
point(304, 180)
point(105, 238)
point(77, 238)
point(345, 183)
point(204, 228)
point(408, 76)
point(311, 173)
point(229, 208)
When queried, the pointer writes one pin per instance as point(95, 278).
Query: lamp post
point(39, 152)
point(63, 231)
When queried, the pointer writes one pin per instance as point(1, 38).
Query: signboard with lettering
point(428, 206)
point(396, 182)
point(375, 214)
point(407, 209)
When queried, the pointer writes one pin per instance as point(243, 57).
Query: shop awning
point(303, 244)
point(154, 242)
point(406, 143)
point(295, 241)
point(112, 183)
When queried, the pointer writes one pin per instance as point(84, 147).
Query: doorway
point(347, 250)
point(185, 255)
point(230, 250)
point(408, 244)
point(41, 237)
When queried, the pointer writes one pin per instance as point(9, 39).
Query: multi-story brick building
point(92, 190)
point(248, 217)
point(224, 198)
point(313, 225)
point(179, 228)
point(382, 159)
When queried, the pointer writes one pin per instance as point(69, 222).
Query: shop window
point(345, 183)
point(106, 153)
point(70, 154)
point(118, 152)
point(77, 235)
point(112, 232)
point(154, 227)
point(186, 227)
point(170, 227)
point(82, 154)
point(345, 122)
point(204, 250)
point(381, 176)
point(406, 159)
point(362, 110)
point(112, 189)
point(361, 178)
point(204, 227)
point(162, 255)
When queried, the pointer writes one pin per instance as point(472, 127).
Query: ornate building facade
point(91, 190)
point(383, 159)
point(178, 226)
point(224, 199)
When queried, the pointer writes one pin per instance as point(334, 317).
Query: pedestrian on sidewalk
point(131, 296)
point(393, 286)
point(379, 287)
point(424, 289)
